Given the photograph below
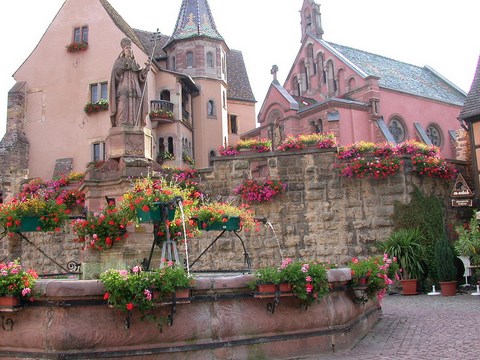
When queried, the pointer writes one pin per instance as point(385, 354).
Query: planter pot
point(232, 223)
point(265, 291)
point(448, 288)
point(30, 223)
point(182, 295)
point(285, 289)
point(155, 213)
point(409, 286)
point(9, 301)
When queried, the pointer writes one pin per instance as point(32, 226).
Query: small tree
point(445, 258)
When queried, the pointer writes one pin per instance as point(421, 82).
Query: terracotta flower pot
point(285, 289)
point(409, 286)
point(448, 288)
point(9, 301)
point(265, 291)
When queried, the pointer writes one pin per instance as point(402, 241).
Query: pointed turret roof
point(195, 19)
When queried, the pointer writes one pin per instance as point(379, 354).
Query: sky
point(442, 34)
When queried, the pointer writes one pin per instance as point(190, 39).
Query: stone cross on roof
point(274, 72)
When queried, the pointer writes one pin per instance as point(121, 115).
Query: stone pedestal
point(129, 141)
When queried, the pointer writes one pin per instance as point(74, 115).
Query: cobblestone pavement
point(421, 327)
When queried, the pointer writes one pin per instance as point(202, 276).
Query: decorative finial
point(274, 72)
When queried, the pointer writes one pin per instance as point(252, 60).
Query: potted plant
point(308, 280)
point(32, 214)
point(256, 191)
point(446, 270)
point(93, 107)
point(468, 243)
point(224, 216)
point(405, 246)
point(99, 230)
point(170, 281)
point(372, 276)
point(318, 140)
point(16, 284)
point(147, 197)
point(265, 282)
point(76, 46)
point(160, 114)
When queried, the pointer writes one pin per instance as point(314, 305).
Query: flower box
point(265, 291)
point(231, 223)
point(155, 214)
point(285, 289)
point(30, 223)
point(9, 301)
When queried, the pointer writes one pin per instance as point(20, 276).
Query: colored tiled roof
point(121, 24)
point(472, 103)
point(195, 19)
point(400, 76)
point(238, 83)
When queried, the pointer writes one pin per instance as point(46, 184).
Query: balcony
point(161, 112)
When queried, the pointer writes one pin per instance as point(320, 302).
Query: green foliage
point(426, 214)
point(406, 246)
point(468, 243)
point(377, 273)
point(445, 258)
point(15, 281)
point(308, 279)
point(266, 275)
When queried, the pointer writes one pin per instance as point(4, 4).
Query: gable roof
point(400, 76)
point(122, 24)
point(195, 19)
point(472, 103)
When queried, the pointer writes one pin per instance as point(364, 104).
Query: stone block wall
point(320, 217)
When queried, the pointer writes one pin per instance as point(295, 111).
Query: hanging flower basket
point(30, 223)
point(231, 223)
point(154, 213)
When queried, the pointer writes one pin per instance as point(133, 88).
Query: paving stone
point(420, 327)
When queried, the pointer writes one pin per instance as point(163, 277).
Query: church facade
point(358, 95)
point(197, 91)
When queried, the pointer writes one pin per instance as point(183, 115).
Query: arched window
point(351, 84)
point(211, 154)
point(434, 134)
point(189, 59)
point(321, 68)
point(311, 61)
point(211, 108)
point(296, 86)
point(170, 145)
point(210, 63)
point(331, 83)
point(397, 129)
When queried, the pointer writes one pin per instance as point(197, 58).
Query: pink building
point(358, 95)
point(196, 80)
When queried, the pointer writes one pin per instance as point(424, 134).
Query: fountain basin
point(222, 321)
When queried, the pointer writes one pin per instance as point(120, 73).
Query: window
point(397, 130)
point(211, 155)
point(210, 59)
point(173, 65)
point(211, 108)
point(98, 151)
point(189, 59)
point(434, 135)
point(98, 91)
point(232, 124)
point(80, 34)
point(170, 145)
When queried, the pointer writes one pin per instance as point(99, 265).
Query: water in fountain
point(276, 238)
point(180, 206)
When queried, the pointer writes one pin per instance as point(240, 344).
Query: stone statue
point(128, 103)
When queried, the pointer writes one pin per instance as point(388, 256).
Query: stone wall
point(320, 217)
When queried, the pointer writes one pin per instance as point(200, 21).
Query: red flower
point(129, 306)
point(145, 208)
point(106, 296)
